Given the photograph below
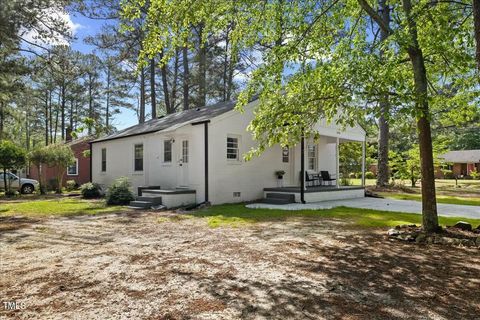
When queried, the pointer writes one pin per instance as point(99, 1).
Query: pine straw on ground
point(149, 266)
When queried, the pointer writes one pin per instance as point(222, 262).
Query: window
point(72, 170)
point(312, 157)
point(167, 151)
point(104, 159)
point(185, 151)
point(138, 158)
point(285, 154)
point(232, 149)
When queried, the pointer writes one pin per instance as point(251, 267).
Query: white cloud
point(44, 36)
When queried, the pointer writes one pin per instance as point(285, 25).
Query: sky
point(83, 27)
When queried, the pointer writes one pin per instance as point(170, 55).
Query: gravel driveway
point(167, 266)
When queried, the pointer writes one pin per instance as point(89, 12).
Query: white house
point(196, 156)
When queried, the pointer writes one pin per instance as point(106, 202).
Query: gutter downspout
point(205, 131)
point(91, 156)
point(302, 171)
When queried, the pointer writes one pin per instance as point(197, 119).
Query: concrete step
point(154, 200)
point(141, 204)
point(135, 208)
point(282, 196)
point(276, 201)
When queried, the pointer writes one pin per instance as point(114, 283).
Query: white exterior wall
point(229, 176)
point(250, 178)
point(120, 160)
point(225, 176)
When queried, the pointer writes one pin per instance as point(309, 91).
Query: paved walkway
point(410, 206)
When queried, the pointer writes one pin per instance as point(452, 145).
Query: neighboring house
point(461, 162)
point(78, 171)
point(199, 151)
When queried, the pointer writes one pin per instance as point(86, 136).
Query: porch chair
point(325, 176)
point(312, 178)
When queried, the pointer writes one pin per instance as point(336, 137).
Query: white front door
point(183, 164)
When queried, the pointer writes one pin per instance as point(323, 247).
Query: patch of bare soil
point(133, 267)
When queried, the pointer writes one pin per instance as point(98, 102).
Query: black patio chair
point(325, 175)
point(311, 178)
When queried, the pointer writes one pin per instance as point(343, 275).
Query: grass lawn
point(471, 201)
point(56, 207)
point(472, 185)
point(236, 215)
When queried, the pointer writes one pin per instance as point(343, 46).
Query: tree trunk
point(202, 70)
point(153, 96)
point(476, 21)
point(27, 130)
point(166, 96)
point(50, 115)
point(429, 203)
point(75, 122)
point(225, 66)
point(90, 102)
point(71, 115)
point(173, 97)
point(2, 119)
point(107, 108)
point(5, 180)
point(142, 96)
point(231, 67)
point(63, 111)
point(383, 124)
point(46, 118)
point(57, 115)
point(186, 75)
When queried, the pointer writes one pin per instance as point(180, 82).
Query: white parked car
point(20, 184)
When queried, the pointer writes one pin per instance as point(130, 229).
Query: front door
point(183, 165)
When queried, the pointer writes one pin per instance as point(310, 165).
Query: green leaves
point(11, 155)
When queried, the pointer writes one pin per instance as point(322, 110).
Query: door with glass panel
point(183, 164)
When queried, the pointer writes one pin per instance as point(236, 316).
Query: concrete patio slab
point(409, 206)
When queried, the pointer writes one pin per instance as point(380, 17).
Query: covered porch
point(317, 171)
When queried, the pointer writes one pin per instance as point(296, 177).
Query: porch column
point(363, 162)
point(302, 170)
point(337, 160)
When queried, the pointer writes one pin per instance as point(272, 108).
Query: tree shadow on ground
point(366, 277)
point(9, 224)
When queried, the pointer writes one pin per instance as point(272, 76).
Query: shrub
point(358, 175)
point(10, 193)
point(90, 190)
point(119, 192)
point(369, 175)
point(71, 185)
point(352, 175)
point(345, 181)
point(474, 174)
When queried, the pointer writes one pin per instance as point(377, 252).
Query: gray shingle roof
point(174, 120)
point(462, 156)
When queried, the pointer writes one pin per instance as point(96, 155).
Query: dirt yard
point(163, 266)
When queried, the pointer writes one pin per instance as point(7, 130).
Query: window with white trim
point(233, 152)
point(185, 151)
point(138, 157)
point(104, 159)
point(312, 157)
point(72, 170)
point(167, 150)
point(285, 154)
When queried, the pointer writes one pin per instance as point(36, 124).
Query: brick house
point(461, 162)
point(79, 171)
